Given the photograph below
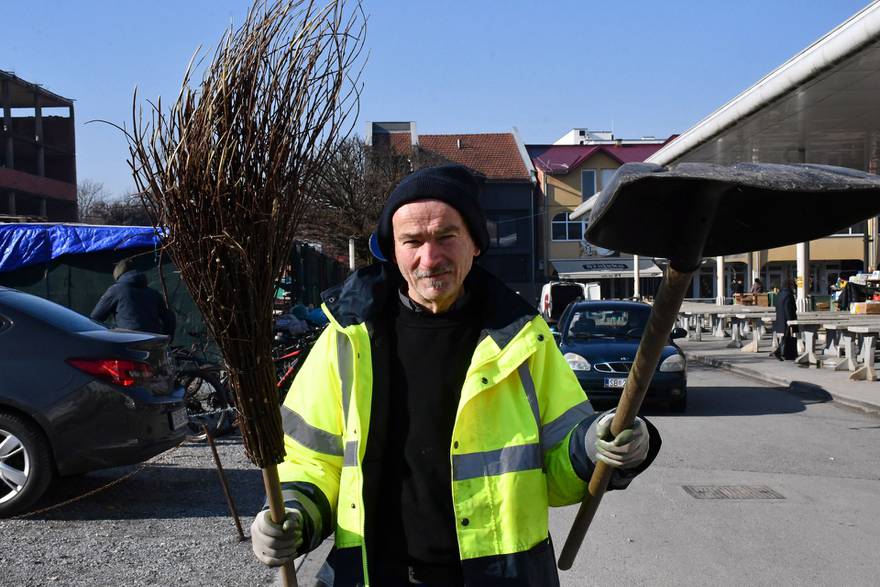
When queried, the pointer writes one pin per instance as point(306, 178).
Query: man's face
point(434, 252)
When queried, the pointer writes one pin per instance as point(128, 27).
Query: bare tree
point(352, 190)
point(90, 195)
point(97, 206)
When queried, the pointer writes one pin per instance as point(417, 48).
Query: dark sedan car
point(599, 340)
point(75, 397)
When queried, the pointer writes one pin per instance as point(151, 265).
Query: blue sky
point(643, 67)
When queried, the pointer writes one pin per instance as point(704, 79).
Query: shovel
point(719, 210)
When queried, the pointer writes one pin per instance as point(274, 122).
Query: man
point(757, 286)
point(786, 309)
point(134, 305)
point(435, 420)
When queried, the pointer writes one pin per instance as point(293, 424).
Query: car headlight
point(577, 362)
point(673, 363)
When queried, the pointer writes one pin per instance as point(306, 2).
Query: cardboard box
point(864, 308)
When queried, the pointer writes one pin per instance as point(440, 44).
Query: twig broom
point(226, 173)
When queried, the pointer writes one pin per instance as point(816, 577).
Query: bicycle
point(206, 395)
point(288, 353)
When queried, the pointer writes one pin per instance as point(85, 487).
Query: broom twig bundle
point(226, 174)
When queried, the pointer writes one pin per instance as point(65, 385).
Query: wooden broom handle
point(278, 513)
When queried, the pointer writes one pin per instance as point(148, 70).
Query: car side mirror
point(678, 332)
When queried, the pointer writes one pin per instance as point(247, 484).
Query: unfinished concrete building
point(37, 153)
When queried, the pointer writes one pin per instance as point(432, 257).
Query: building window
point(588, 183)
point(564, 228)
point(605, 176)
point(504, 229)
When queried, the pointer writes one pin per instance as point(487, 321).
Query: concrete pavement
point(712, 351)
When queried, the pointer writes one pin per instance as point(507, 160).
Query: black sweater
point(430, 355)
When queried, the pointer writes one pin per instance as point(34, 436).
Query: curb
point(799, 387)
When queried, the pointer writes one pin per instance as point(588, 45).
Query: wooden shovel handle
point(662, 319)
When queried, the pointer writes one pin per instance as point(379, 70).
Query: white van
point(556, 295)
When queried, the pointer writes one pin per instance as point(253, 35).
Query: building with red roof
point(568, 172)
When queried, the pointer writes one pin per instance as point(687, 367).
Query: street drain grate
point(731, 492)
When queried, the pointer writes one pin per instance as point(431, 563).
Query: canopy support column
point(803, 276)
point(637, 294)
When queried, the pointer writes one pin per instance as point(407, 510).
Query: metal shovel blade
point(648, 209)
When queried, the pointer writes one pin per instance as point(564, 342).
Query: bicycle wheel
point(207, 403)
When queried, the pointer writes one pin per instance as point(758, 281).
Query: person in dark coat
point(852, 292)
point(786, 310)
point(135, 305)
point(737, 287)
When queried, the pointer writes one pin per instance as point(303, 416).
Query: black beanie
point(452, 184)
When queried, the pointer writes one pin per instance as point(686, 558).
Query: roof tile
point(493, 155)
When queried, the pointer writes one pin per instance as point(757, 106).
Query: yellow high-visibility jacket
point(513, 452)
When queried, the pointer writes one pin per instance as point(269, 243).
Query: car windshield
point(49, 312)
point(608, 322)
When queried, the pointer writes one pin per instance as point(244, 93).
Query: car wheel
point(679, 405)
point(26, 468)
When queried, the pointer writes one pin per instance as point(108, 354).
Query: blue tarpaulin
point(22, 245)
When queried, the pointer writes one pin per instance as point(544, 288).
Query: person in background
point(134, 304)
point(435, 420)
point(757, 286)
point(786, 310)
point(737, 286)
point(316, 317)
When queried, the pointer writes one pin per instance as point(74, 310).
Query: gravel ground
point(168, 524)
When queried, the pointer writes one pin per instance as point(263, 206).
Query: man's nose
point(431, 254)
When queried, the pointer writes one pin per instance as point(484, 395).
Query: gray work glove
point(275, 544)
point(627, 450)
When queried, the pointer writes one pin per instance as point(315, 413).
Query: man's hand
point(627, 450)
point(275, 544)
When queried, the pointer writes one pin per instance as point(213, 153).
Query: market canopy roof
point(820, 106)
point(22, 245)
point(606, 268)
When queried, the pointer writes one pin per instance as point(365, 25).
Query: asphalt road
point(823, 460)
point(168, 524)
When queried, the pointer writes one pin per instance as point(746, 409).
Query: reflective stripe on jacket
point(509, 452)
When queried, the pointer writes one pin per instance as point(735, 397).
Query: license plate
point(178, 418)
point(615, 382)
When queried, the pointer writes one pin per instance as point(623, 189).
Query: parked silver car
point(76, 396)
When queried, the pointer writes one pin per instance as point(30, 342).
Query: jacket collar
point(366, 293)
point(134, 278)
